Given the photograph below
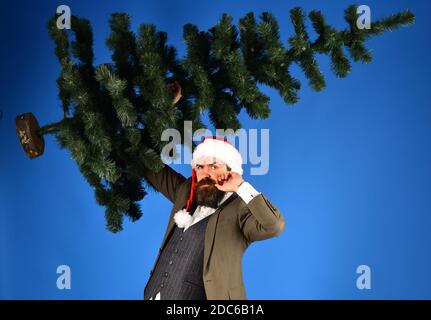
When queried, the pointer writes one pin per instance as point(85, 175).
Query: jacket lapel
point(211, 230)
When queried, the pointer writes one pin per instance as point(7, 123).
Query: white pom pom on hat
point(183, 219)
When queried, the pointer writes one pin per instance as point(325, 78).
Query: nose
point(206, 176)
point(207, 171)
point(203, 176)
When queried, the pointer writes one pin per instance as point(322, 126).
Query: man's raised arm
point(166, 181)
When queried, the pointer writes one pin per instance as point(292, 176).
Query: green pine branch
point(115, 113)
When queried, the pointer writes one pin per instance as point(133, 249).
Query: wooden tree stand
point(29, 134)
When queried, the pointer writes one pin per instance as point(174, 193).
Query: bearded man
point(216, 215)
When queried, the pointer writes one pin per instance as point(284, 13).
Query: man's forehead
point(208, 160)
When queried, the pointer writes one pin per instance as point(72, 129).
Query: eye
point(214, 166)
point(199, 167)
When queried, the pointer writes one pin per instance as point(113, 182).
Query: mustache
point(208, 181)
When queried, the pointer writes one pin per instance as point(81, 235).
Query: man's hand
point(176, 91)
point(229, 182)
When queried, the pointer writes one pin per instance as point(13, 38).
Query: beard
point(209, 195)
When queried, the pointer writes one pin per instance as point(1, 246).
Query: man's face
point(208, 170)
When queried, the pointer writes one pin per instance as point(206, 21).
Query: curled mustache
point(210, 182)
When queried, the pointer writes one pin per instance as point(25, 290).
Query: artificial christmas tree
point(115, 113)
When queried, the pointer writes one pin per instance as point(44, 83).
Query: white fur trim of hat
point(222, 150)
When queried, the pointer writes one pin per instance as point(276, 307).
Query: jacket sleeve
point(166, 181)
point(260, 220)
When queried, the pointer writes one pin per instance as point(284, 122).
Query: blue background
point(349, 167)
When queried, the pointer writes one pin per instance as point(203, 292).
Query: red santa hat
point(216, 147)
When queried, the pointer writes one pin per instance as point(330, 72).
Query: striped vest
point(178, 271)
